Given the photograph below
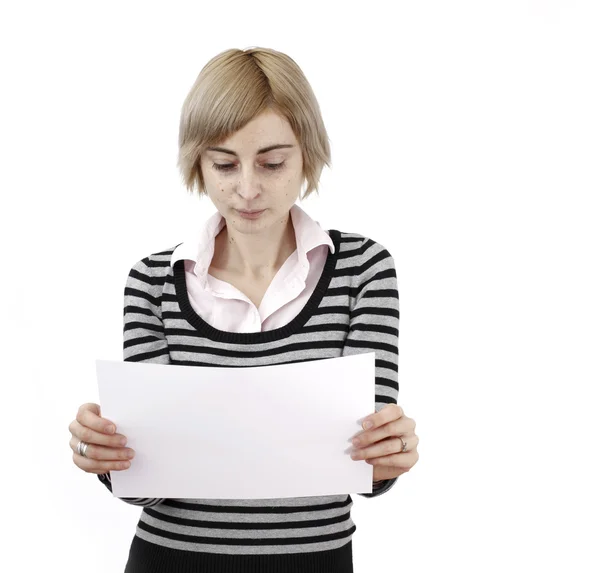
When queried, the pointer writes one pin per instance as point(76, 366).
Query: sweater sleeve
point(374, 322)
point(143, 336)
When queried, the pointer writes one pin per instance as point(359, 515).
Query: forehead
point(265, 130)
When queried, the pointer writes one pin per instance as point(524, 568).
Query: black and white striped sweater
point(353, 309)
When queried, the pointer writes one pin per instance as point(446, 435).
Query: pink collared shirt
point(225, 307)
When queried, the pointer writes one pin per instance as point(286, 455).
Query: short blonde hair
point(234, 87)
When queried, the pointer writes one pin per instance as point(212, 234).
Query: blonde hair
point(234, 87)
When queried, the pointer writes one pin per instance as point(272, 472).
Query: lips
point(251, 212)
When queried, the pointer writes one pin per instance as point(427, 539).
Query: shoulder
point(363, 250)
point(153, 268)
point(369, 264)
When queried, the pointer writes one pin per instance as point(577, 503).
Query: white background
point(465, 139)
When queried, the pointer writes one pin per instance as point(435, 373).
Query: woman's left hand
point(380, 445)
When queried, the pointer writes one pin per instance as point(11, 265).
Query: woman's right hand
point(107, 451)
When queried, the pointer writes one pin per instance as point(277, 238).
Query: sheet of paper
point(240, 433)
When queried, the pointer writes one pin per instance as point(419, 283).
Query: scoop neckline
point(217, 335)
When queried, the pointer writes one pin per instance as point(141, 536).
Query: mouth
point(250, 212)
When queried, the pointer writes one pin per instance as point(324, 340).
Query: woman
point(261, 283)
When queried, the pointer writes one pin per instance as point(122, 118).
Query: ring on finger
point(404, 444)
point(82, 448)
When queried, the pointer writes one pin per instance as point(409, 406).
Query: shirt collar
point(200, 245)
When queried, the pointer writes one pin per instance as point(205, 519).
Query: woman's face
point(240, 174)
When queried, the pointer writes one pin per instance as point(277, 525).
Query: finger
point(388, 413)
point(90, 436)
point(96, 452)
point(99, 467)
point(383, 448)
point(89, 415)
point(395, 428)
point(386, 447)
point(405, 461)
point(91, 406)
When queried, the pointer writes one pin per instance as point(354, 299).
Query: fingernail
point(110, 429)
point(368, 425)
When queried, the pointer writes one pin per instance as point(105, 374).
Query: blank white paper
point(240, 433)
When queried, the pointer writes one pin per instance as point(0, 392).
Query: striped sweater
point(353, 309)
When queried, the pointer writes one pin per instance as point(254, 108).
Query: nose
point(248, 185)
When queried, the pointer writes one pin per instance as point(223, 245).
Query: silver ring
point(82, 447)
point(404, 446)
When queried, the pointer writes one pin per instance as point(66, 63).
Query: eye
point(223, 167)
point(274, 166)
point(231, 166)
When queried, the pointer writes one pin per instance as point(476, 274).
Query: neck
point(257, 255)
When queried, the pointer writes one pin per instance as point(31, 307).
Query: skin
point(250, 252)
point(379, 445)
point(254, 250)
point(106, 451)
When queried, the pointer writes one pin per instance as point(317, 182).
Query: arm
point(374, 321)
point(143, 336)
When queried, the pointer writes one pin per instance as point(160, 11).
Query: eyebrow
point(263, 150)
